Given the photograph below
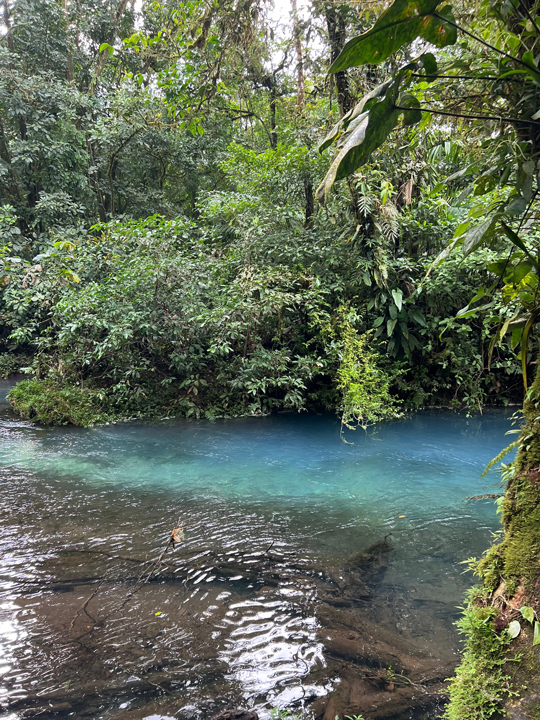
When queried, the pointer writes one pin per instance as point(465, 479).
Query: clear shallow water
point(79, 506)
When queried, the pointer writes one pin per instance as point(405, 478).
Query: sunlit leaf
point(536, 635)
point(514, 629)
point(106, 47)
point(528, 613)
point(521, 271)
point(466, 312)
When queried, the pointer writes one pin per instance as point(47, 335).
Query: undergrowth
point(11, 363)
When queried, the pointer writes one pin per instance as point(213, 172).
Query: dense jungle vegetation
point(163, 251)
point(224, 208)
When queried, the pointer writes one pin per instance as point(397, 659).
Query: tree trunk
point(101, 58)
point(5, 155)
point(69, 66)
point(273, 121)
point(4, 147)
point(299, 55)
point(7, 25)
point(309, 201)
point(520, 549)
point(337, 33)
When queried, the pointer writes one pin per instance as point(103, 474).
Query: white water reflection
point(270, 644)
point(12, 638)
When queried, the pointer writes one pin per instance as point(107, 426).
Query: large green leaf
point(368, 132)
point(414, 114)
point(478, 234)
point(518, 242)
point(516, 206)
point(345, 122)
point(365, 128)
point(402, 23)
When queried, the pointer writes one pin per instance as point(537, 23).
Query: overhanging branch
point(499, 118)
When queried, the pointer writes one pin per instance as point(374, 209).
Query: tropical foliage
point(164, 249)
point(503, 113)
point(161, 243)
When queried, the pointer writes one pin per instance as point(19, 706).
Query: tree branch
point(102, 57)
point(531, 18)
point(499, 118)
point(467, 77)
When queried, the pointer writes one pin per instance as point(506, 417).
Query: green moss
point(525, 677)
point(481, 685)
point(490, 568)
point(52, 404)
point(516, 559)
point(529, 440)
point(522, 536)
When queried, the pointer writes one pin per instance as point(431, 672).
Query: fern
point(499, 457)
point(365, 205)
point(389, 222)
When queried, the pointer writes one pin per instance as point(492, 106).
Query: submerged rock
point(236, 715)
point(380, 673)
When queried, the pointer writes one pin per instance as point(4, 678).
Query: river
point(260, 604)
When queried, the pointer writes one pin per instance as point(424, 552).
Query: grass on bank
point(52, 404)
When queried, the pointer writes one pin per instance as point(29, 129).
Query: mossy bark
point(510, 573)
point(520, 549)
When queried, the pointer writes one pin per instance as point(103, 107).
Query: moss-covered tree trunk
point(500, 675)
point(520, 549)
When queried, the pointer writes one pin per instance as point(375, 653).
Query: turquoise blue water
point(285, 480)
point(421, 468)
point(438, 455)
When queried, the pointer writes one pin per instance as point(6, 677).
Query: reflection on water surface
point(271, 508)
